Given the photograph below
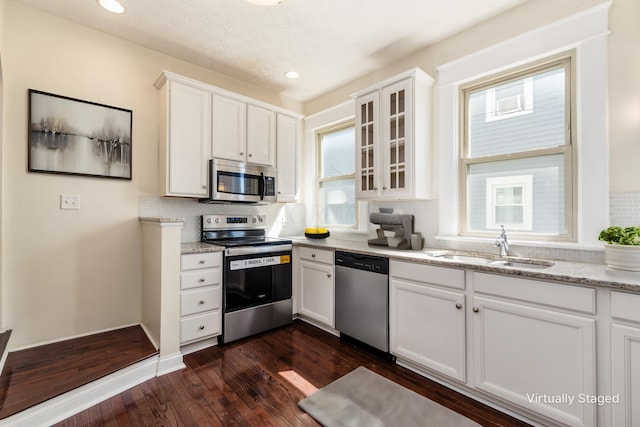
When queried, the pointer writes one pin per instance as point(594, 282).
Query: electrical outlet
point(69, 201)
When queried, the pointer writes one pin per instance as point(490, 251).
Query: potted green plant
point(622, 248)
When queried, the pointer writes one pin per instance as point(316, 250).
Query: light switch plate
point(69, 201)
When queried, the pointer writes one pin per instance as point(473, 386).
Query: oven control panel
point(225, 222)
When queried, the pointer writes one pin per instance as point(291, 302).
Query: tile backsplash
point(288, 219)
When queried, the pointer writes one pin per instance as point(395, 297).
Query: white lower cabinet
point(529, 352)
point(315, 268)
point(427, 323)
point(625, 359)
point(200, 296)
point(521, 343)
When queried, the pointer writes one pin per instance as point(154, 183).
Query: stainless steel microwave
point(231, 181)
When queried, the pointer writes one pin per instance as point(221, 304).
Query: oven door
point(255, 276)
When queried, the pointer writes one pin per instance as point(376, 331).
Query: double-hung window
point(517, 157)
point(336, 177)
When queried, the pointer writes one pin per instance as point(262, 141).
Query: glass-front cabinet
point(367, 145)
point(393, 123)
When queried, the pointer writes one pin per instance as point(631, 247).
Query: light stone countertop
point(199, 247)
point(598, 275)
point(159, 219)
point(569, 272)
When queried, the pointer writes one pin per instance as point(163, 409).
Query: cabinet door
point(626, 375)
point(396, 139)
point(316, 291)
point(189, 142)
point(229, 128)
point(261, 136)
point(287, 160)
point(428, 327)
point(536, 358)
point(367, 152)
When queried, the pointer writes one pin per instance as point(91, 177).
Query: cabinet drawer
point(199, 300)
point(199, 278)
point(201, 260)
point(625, 306)
point(200, 326)
point(318, 255)
point(551, 294)
point(442, 276)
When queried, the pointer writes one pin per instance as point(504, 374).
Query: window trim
point(568, 150)
point(586, 31)
point(319, 179)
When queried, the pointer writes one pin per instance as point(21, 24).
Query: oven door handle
point(249, 250)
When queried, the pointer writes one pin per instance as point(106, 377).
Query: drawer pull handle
point(202, 261)
point(476, 309)
point(313, 255)
point(458, 306)
point(201, 327)
point(202, 279)
point(201, 302)
point(328, 274)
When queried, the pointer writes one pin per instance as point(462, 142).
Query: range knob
point(217, 220)
point(260, 219)
point(208, 220)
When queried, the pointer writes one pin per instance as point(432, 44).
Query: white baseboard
point(170, 363)
point(5, 353)
point(66, 405)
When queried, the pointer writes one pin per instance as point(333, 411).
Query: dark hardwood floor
point(35, 375)
point(244, 384)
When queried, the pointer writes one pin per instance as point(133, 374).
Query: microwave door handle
point(263, 184)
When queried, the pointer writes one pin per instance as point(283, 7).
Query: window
point(511, 99)
point(509, 202)
point(336, 177)
point(517, 153)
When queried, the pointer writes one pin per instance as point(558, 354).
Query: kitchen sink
point(523, 264)
point(493, 260)
point(468, 258)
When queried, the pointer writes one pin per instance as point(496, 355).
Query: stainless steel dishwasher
point(362, 298)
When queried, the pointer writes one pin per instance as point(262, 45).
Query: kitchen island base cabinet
point(427, 317)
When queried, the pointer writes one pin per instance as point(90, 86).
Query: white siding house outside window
point(336, 177)
point(517, 153)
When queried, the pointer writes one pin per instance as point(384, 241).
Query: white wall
point(68, 273)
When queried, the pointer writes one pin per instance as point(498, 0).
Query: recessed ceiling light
point(113, 6)
point(265, 2)
point(291, 75)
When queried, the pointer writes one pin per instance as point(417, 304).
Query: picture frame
point(75, 137)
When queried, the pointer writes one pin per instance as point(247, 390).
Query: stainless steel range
point(257, 279)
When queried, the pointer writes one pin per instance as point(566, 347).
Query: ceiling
point(328, 42)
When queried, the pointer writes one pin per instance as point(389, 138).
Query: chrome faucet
point(502, 243)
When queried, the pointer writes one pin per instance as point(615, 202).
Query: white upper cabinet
point(393, 138)
point(229, 128)
point(287, 129)
point(185, 138)
point(243, 132)
point(261, 136)
point(199, 121)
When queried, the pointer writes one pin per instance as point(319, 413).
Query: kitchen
point(66, 284)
